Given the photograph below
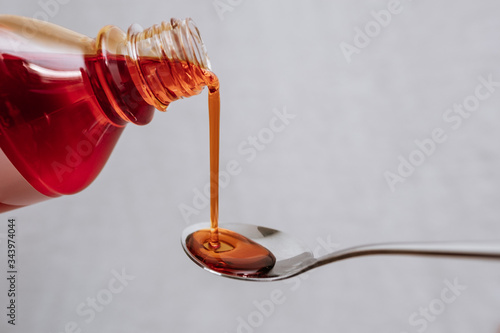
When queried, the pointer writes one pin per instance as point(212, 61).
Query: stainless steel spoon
point(293, 258)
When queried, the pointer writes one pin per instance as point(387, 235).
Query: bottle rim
point(173, 40)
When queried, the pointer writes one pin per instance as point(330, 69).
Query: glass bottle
point(65, 98)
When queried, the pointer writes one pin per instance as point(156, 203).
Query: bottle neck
point(168, 61)
point(164, 63)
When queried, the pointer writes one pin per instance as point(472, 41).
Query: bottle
point(65, 98)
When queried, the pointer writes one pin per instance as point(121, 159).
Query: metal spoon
point(293, 258)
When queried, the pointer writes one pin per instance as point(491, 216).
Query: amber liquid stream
point(220, 249)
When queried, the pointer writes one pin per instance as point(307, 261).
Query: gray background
point(321, 179)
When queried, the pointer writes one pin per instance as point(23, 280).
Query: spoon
point(293, 258)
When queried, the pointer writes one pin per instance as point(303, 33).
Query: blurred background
point(383, 138)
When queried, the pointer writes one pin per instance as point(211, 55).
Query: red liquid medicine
point(65, 98)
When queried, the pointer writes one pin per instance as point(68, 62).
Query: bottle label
point(15, 191)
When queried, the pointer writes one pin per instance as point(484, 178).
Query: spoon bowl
point(291, 255)
point(293, 258)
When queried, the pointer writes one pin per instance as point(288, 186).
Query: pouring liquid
point(47, 97)
point(220, 249)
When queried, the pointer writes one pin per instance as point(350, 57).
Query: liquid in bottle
point(65, 98)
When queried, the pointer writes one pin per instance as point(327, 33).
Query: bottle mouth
point(182, 58)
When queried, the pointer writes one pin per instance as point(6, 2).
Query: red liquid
point(219, 249)
point(61, 116)
point(53, 126)
point(236, 254)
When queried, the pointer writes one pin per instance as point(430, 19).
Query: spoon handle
point(451, 249)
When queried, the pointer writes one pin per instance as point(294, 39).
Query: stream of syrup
point(220, 249)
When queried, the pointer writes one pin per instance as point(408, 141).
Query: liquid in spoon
point(219, 249)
